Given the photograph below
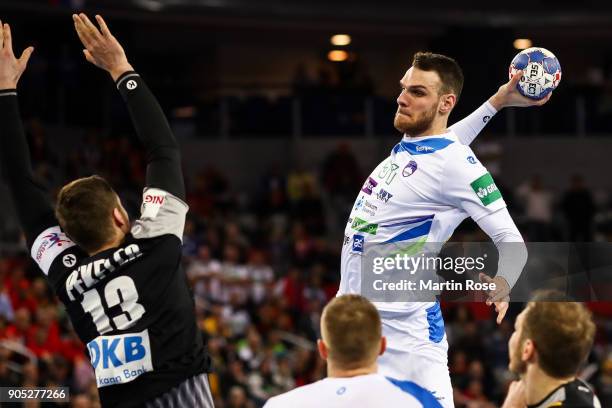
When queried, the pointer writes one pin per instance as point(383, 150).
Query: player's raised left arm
point(163, 155)
point(33, 207)
point(506, 96)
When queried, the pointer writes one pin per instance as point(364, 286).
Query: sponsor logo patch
point(485, 189)
point(383, 195)
point(152, 201)
point(359, 203)
point(49, 245)
point(471, 160)
point(358, 241)
point(69, 260)
point(369, 186)
point(120, 359)
point(364, 226)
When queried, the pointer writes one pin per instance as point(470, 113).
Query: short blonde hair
point(351, 330)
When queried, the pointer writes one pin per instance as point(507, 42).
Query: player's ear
point(383, 345)
point(322, 349)
point(528, 350)
point(118, 218)
point(447, 103)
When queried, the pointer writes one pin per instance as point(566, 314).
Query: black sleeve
point(163, 154)
point(31, 201)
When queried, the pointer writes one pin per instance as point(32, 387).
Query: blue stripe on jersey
point(425, 397)
point(415, 232)
point(436, 323)
point(410, 221)
point(426, 146)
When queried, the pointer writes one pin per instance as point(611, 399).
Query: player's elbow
point(521, 253)
point(170, 153)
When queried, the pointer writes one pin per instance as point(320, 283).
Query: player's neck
point(336, 372)
point(111, 244)
point(538, 384)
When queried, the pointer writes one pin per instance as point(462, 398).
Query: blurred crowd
point(262, 265)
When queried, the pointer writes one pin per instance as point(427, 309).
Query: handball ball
point(541, 72)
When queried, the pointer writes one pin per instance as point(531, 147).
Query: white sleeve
point(466, 184)
point(469, 127)
point(161, 213)
point(500, 227)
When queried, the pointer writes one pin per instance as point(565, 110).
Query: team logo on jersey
point(131, 84)
point(471, 159)
point(485, 119)
point(55, 239)
point(410, 168)
point(341, 391)
point(69, 260)
point(485, 189)
point(383, 195)
point(358, 241)
point(364, 226)
point(369, 186)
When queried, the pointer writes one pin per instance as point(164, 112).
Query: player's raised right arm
point(31, 202)
point(163, 155)
point(506, 96)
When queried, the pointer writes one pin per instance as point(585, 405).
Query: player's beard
point(517, 365)
point(417, 126)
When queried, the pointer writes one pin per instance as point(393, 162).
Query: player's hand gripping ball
point(541, 72)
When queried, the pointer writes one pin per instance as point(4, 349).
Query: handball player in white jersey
point(351, 342)
point(420, 193)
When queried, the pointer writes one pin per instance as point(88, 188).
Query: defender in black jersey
point(551, 340)
point(122, 283)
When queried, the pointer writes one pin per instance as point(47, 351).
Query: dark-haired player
point(121, 281)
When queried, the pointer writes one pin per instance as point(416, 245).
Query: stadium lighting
point(522, 43)
point(340, 40)
point(337, 55)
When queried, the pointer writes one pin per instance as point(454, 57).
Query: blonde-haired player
point(351, 342)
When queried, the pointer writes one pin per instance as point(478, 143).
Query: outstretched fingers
point(7, 37)
point(103, 27)
point(87, 36)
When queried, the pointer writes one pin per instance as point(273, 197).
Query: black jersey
point(131, 305)
point(574, 394)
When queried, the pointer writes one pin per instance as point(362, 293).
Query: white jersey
point(419, 194)
point(364, 391)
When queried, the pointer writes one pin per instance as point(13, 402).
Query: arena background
point(277, 139)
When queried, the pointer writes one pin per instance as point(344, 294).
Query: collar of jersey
point(422, 146)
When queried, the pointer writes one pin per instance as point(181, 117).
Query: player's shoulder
point(579, 394)
point(423, 396)
point(162, 213)
point(575, 394)
point(298, 397)
point(346, 391)
point(53, 251)
point(461, 159)
point(431, 146)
